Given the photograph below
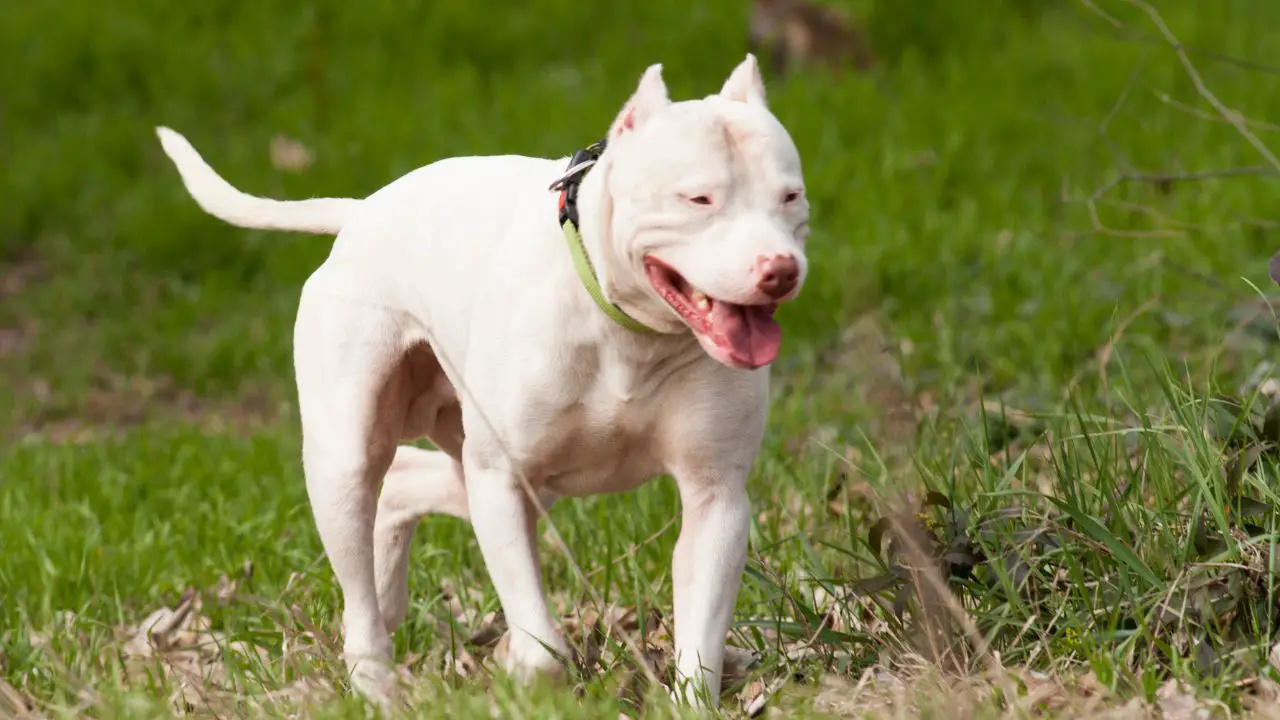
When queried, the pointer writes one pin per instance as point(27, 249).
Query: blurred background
point(1062, 206)
point(950, 155)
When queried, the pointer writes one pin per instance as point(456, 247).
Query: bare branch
point(1165, 98)
point(1115, 110)
point(1234, 117)
point(1167, 179)
point(1142, 37)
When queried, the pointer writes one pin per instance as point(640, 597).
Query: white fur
point(448, 308)
point(217, 197)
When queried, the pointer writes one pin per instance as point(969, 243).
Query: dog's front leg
point(707, 570)
point(505, 523)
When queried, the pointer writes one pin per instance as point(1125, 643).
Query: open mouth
point(742, 336)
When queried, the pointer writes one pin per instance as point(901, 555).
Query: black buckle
point(579, 163)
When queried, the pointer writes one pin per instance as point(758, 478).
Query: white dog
point(544, 357)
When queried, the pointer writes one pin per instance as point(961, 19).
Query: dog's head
point(707, 214)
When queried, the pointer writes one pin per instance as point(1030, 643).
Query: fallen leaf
point(290, 155)
point(306, 690)
point(1177, 702)
point(492, 627)
point(755, 696)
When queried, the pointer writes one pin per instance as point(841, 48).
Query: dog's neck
point(639, 362)
point(620, 284)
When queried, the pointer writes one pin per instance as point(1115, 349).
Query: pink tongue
point(749, 333)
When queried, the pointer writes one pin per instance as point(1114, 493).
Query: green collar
point(587, 273)
point(568, 185)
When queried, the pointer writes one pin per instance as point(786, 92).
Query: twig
point(1103, 14)
point(1234, 117)
point(1150, 212)
point(1143, 37)
point(20, 705)
point(1165, 98)
point(1257, 222)
point(1115, 110)
point(1225, 114)
point(1162, 178)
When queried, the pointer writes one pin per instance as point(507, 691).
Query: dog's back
point(802, 32)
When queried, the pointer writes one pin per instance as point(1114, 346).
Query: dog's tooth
point(701, 300)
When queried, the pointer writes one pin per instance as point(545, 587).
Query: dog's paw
point(525, 659)
point(377, 681)
point(691, 695)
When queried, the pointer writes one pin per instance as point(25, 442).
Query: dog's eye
point(791, 196)
point(700, 200)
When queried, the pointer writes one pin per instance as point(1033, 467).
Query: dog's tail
point(323, 216)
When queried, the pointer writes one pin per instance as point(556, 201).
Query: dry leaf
point(14, 701)
point(290, 155)
point(755, 696)
point(492, 627)
point(225, 589)
point(1264, 700)
point(182, 643)
point(1177, 702)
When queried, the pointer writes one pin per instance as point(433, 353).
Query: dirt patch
point(15, 340)
point(37, 410)
point(17, 334)
point(118, 403)
point(17, 275)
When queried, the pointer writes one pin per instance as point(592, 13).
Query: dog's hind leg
point(346, 360)
point(419, 483)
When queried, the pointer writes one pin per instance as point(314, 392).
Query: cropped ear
point(744, 83)
point(650, 96)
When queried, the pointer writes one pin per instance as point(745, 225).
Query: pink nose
point(777, 275)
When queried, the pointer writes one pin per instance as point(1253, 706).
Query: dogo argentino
point(556, 328)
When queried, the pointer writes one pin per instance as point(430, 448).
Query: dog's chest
point(603, 437)
point(603, 444)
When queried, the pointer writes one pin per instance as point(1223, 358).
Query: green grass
point(1060, 370)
